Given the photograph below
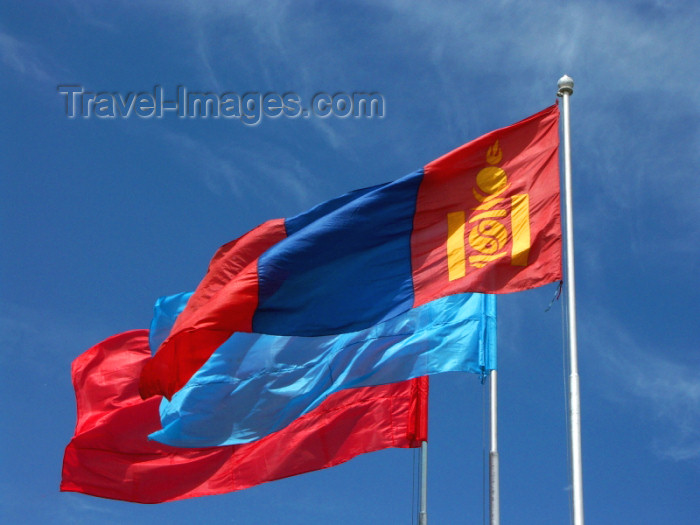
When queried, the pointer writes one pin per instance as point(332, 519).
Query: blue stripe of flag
point(254, 384)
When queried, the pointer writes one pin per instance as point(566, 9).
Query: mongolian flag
point(482, 218)
point(110, 455)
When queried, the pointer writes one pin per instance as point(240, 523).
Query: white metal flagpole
point(566, 89)
point(494, 493)
point(423, 514)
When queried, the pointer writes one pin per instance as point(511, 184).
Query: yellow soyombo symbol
point(489, 236)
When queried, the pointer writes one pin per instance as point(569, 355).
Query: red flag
point(487, 213)
point(111, 457)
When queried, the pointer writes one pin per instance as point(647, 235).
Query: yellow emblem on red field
point(489, 235)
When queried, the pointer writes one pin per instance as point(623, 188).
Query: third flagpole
point(494, 493)
point(423, 513)
point(566, 89)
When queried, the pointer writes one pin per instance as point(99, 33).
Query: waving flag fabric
point(254, 385)
point(110, 455)
point(483, 218)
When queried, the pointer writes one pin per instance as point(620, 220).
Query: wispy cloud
point(671, 392)
point(201, 39)
point(236, 170)
point(24, 59)
point(71, 505)
point(664, 389)
point(88, 14)
point(218, 173)
point(41, 341)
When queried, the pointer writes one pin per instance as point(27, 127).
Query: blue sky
point(99, 217)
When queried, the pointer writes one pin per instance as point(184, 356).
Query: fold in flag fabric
point(482, 218)
point(111, 457)
point(254, 385)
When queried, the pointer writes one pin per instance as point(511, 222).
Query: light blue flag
point(254, 385)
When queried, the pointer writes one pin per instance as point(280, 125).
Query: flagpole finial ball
point(565, 85)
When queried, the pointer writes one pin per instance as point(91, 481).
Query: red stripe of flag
point(111, 457)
